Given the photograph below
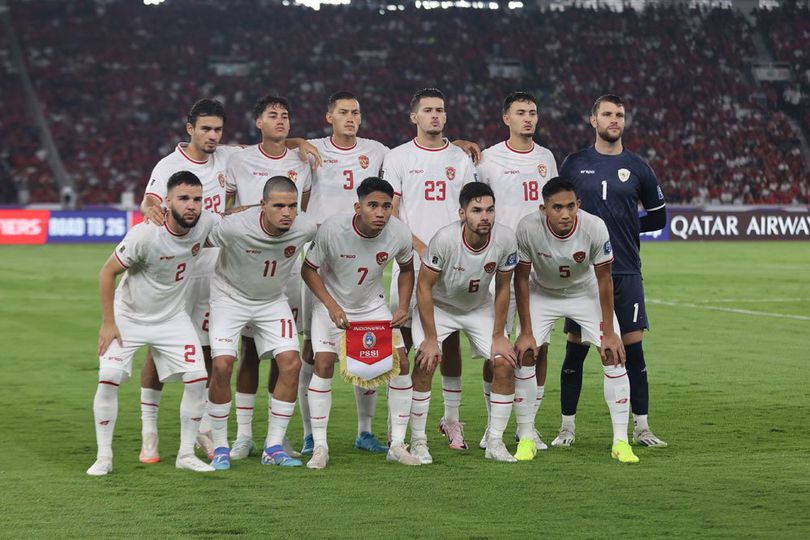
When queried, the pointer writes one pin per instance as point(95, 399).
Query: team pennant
point(368, 353)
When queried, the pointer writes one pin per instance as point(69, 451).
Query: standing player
point(206, 158)
point(259, 249)
point(568, 253)
point(245, 178)
point(149, 308)
point(427, 175)
point(517, 169)
point(611, 181)
point(453, 295)
point(344, 270)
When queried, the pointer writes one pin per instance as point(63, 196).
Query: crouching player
point(344, 270)
point(259, 250)
point(148, 308)
point(564, 271)
point(452, 295)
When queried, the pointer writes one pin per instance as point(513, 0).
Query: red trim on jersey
point(261, 224)
point(155, 195)
point(574, 228)
point(120, 261)
point(166, 224)
point(203, 379)
point(109, 382)
point(313, 266)
point(469, 247)
point(341, 147)
point(265, 154)
point(360, 234)
point(604, 263)
point(426, 265)
point(180, 149)
point(446, 144)
point(396, 194)
point(616, 376)
point(401, 264)
point(529, 151)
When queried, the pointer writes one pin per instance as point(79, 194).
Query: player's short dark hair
point(372, 184)
point(186, 178)
point(278, 184)
point(474, 190)
point(517, 96)
point(333, 99)
point(610, 98)
point(205, 107)
point(425, 93)
point(269, 100)
point(557, 185)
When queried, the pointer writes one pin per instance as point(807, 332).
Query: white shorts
point(174, 343)
point(273, 326)
point(198, 295)
point(326, 336)
point(477, 324)
point(293, 292)
point(394, 289)
point(585, 310)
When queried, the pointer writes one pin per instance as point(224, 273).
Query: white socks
point(501, 410)
point(218, 416)
point(245, 404)
point(192, 406)
point(150, 405)
point(617, 397)
point(525, 400)
point(105, 410)
point(487, 392)
point(320, 403)
point(400, 394)
point(366, 401)
point(451, 392)
point(304, 376)
point(279, 418)
point(420, 404)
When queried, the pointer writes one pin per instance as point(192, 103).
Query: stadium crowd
point(115, 90)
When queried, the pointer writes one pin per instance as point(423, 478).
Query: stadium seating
point(117, 89)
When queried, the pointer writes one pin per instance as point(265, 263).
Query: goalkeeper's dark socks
point(571, 377)
point(637, 373)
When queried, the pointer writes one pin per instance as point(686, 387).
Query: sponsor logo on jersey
point(221, 178)
point(542, 170)
point(369, 340)
point(546, 255)
point(195, 250)
point(289, 251)
point(166, 257)
point(346, 256)
point(579, 256)
point(459, 269)
point(261, 173)
point(511, 172)
point(329, 160)
point(450, 172)
point(363, 161)
point(253, 251)
point(489, 267)
point(416, 171)
point(512, 259)
point(292, 175)
point(382, 258)
point(587, 171)
point(624, 175)
point(607, 248)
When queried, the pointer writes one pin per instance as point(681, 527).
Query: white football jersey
point(517, 179)
point(466, 273)
point(351, 265)
point(159, 264)
point(563, 265)
point(428, 181)
point(249, 170)
point(254, 265)
point(334, 183)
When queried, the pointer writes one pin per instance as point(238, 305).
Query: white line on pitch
point(729, 310)
point(797, 300)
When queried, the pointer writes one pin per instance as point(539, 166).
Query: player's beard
point(182, 221)
point(607, 137)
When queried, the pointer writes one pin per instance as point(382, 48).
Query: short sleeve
point(306, 179)
point(566, 169)
point(223, 231)
point(130, 251)
point(318, 251)
point(509, 255)
point(404, 254)
point(601, 250)
point(230, 174)
point(470, 174)
point(390, 173)
point(435, 257)
point(650, 194)
point(157, 185)
point(524, 251)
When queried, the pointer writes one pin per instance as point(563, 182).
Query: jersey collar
point(570, 233)
point(469, 247)
point(265, 154)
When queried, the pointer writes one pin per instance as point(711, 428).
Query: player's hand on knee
point(501, 347)
point(612, 350)
point(526, 343)
point(155, 214)
point(428, 355)
point(108, 332)
point(399, 317)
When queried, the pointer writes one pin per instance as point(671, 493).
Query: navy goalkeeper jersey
point(612, 187)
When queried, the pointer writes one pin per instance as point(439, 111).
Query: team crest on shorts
point(542, 170)
point(195, 250)
point(289, 251)
point(579, 256)
point(363, 161)
point(369, 340)
point(382, 258)
point(450, 172)
point(292, 175)
point(221, 178)
point(624, 175)
point(489, 267)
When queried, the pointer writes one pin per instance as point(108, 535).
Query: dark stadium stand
point(117, 78)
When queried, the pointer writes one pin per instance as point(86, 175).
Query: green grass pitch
point(727, 360)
